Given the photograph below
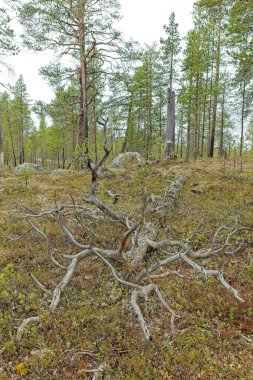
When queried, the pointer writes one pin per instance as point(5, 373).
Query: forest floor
point(94, 326)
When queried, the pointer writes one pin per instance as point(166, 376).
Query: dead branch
point(143, 235)
point(144, 292)
point(21, 236)
point(169, 273)
point(24, 324)
point(49, 252)
point(144, 204)
point(67, 278)
point(94, 169)
point(40, 285)
point(116, 197)
point(207, 273)
point(126, 237)
point(94, 175)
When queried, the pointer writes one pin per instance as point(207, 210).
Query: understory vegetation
point(93, 333)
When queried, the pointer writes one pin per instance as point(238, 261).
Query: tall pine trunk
point(83, 121)
point(221, 152)
point(170, 132)
point(216, 91)
point(242, 122)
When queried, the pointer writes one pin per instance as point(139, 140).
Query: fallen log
point(167, 203)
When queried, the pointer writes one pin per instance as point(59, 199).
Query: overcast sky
point(142, 20)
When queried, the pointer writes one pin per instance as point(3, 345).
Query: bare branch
point(40, 285)
point(50, 255)
point(24, 324)
point(67, 278)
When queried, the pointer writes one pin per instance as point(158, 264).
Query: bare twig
point(40, 285)
point(50, 255)
point(24, 324)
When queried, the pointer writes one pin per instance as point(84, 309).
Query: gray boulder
point(128, 159)
point(26, 166)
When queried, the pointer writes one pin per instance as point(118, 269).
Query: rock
point(127, 159)
point(28, 166)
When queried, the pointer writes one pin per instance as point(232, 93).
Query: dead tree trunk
point(168, 201)
point(170, 132)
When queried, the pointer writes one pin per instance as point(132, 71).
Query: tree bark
point(188, 146)
point(128, 128)
point(1, 142)
point(242, 123)
point(216, 91)
point(221, 152)
point(83, 122)
point(170, 132)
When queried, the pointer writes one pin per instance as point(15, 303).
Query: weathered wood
point(148, 232)
point(168, 201)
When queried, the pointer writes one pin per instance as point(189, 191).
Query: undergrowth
point(93, 325)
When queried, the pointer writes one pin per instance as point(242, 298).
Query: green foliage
point(7, 44)
point(25, 174)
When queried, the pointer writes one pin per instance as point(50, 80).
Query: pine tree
point(21, 117)
point(7, 47)
point(170, 46)
point(80, 29)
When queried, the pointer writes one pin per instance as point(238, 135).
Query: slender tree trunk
point(170, 132)
point(74, 129)
point(1, 142)
point(95, 128)
point(181, 141)
point(216, 90)
point(188, 145)
point(220, 151)
point(196, 123)
point(202, 136)
point(129, 121)
point(63, 158)
point(171, 69)
point(149, 140)
point(242, 124)
point(11, 138)
point(180, 131)
point(22, 147)
point(139, 125)
point(58, 158)
point(160, 126)
point(210, 108)
point(35, 153)
point(83, 122)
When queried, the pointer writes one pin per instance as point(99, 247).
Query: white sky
point(142, 20)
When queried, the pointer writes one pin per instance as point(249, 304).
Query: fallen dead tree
point(140, 235)
point(168, 201)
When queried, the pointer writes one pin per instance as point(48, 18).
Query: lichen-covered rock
point(26, 166)
point(127, 159)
